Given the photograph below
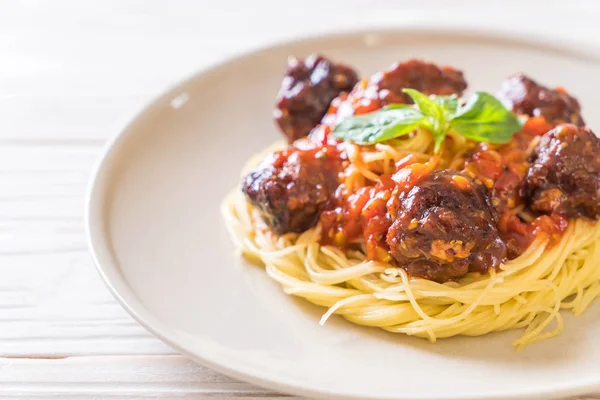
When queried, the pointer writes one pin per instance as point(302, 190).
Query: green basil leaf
point(427, 105)
point(485, 119)
point(379, 126)
point(448, 103)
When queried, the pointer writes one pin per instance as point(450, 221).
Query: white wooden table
point(71, 74)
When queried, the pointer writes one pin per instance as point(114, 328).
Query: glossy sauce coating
point(503, 170)
point(306, 92)
point(565, 173)
point(525, 96)
point(292, 187)
point(386, 86)
point(360, 215)
point(443, 226)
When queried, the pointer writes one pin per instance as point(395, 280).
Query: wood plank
point(124, 377)
point(54, 304)
point(52, 301)
point(139, 377)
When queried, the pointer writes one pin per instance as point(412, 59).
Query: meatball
point(525, 96)
point(565, 175)
point(416, 74)
point(444, 227)
point(307, 89)
point(291, 188)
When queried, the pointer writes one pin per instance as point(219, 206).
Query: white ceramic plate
point(159, 242)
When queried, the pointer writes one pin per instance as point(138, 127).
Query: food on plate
point(525, 96)
point(565, 174)
point(444, 227)
point(291, 188)
point(387, 86)
point(307, 89)
point(397, 202)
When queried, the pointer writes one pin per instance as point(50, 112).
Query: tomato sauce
point(503, 169)
point(364, 213)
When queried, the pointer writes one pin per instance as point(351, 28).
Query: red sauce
point(363, 215)
point(359, 101)
point(360, 215)
point(311, 149)
point(503, 169)
point(518, 235)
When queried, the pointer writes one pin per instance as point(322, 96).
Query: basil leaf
point(427, 106)
point(448, 103)
point(378, 126)
point(438, 109)
point(485, 119)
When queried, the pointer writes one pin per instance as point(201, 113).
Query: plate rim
point(99, 242)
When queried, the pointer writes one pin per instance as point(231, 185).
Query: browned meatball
point(416, 74)
point(444, 227)
point(307, 89)
point(291, 188)
point(525, 96)
point(565, 175)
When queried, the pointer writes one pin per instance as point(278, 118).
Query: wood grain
point(127, 377)
point(52, 302)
